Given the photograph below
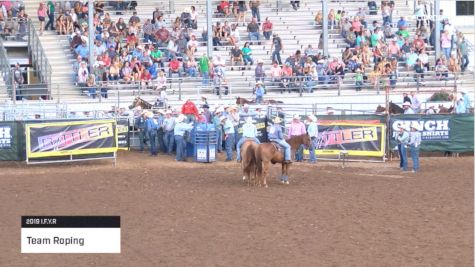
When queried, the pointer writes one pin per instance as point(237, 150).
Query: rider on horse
point(249, 132)
point(276, 135)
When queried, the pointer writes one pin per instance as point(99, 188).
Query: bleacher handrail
point(38, 55)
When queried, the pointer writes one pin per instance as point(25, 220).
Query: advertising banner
point(70, 138)
point(11, 141)
point(438, 132)
point(356, 138)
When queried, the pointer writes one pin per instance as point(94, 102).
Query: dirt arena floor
point(190, 214)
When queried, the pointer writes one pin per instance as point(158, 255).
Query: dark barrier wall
point(439, 132)
point(12, 141)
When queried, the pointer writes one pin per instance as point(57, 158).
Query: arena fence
point(361, 136)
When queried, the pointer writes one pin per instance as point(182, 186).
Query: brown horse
point(270, 153)
point(393, 109)
point(241, 101)
point(139, 102)
point(444, 110)
point(248, 162)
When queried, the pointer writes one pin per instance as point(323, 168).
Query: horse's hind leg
point(265, 167)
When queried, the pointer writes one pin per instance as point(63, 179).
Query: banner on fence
point(356, 138)
point(439, 132)
point(70, 138)
point(123, 134)
point(261, 125)
point(11, 141)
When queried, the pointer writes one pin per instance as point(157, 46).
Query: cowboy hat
point(249, 119)
point(406, 104)
point(260, 61)
point(277, 120)
point(296, 117)
point(219, 110)
point(312, 118)
point(180, 118)
point(414, 126)
point(222, 118)
point(232, 107)
point(149, 114)
point(259, 82)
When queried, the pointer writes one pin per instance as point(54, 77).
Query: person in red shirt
point(190, 110)
point(419, 44)
point(174, 67)
point(267, 29)
point(132, 40)
point(163, 36)
point(287, 74)
point(145, 78)
point(224, 8)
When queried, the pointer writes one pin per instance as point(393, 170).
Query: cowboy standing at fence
point(275, 134)
point(228, 128)
point(168, 128)
point(161, 131)
point(297, 128)
point(402, 139)
point(180, 129)
point(219, 128)
point(140, 124)
point(152, 127)
point(249, 132)
point(415, 143)
point(312, 131)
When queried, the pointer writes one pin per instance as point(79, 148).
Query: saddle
point(278, 146)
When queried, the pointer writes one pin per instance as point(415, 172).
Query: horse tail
point(258, 156)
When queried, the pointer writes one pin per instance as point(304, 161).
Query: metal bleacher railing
point(38, 56)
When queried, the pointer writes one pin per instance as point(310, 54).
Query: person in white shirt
point(83, 73)
point(407, 108)
point(415, 103)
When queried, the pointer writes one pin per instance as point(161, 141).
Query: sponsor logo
point(346, 136)
point(5, 137)
point(431, 130)
point(65, 139)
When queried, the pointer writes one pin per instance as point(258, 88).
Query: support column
point(209, 24)
point(437, 27)
point(325, 27)
point(91, 29)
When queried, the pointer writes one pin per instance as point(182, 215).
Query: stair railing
point(38, 57)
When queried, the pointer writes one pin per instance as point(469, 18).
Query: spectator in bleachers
point(253, 30)
point(420, 70)
point(278, 47)
point(402, 24)
point(275, 73)
point(295, 4)
point(267, 28)
point(358, 80)
point(331, 19)
point(462, 52)
point(319, 18)
point(50, 12)
point(247, 54)
point(174, 67)
point(234, 37)
point(454, 65)
point(191, 67)
point(192, 46)
point(445, 43)
point(42, 16)
point(22, 19)
point(91, 86)
point(204, 66)
point(236, 56)
point(287, 77)
point(126, 72)
point(441, 70)
point(259, 72)
point(424, 57)
point(254, 4)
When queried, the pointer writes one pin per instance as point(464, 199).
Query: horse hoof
point(244, 178)
point(283, 182)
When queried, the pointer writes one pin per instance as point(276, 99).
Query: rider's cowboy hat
point(277, 120)
point(296, 117)
point(219, 110)
point(312, 118)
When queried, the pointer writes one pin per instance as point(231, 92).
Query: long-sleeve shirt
point(189, 108)
point(296, 129)
point(416, 104)
point(228, 127)
point(249, 130)
point(181, 128)
point(312, 129)
point(415, 139)
point(275, 132)
point(140, 122)
point(168, 124)
point(152, 124)
point(402, 138)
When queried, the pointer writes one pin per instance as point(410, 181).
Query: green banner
point(439, 132)
point(12, 141)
